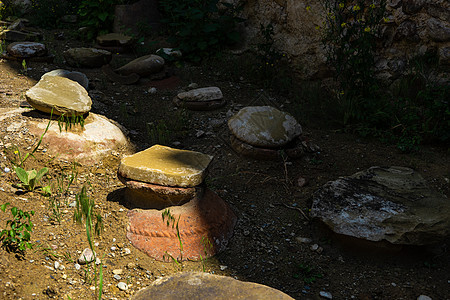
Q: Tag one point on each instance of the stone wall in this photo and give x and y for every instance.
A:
(412, 28)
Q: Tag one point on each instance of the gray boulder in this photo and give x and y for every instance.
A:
(143, 66)
(87, 57)
(393, 204)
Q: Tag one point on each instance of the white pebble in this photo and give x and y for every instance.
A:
(122, 286)
(77, 267)
(7, 170)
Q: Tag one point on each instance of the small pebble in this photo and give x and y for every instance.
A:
(131, 265)
(223, 268)
(126, 251)
(7, 170)
(326, 295)
(423, 297)
(314, 247)
(117, 271)
(77, 267)
(122, 286)
(117, 277)
(57, 264)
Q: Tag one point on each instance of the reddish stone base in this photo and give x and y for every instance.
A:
(205, 225)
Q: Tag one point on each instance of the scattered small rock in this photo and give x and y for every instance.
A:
(86, 256)
(326, 295)
(423, 297)
(122, 286)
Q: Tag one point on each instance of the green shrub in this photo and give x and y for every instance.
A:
(17, 235)
(198, 27)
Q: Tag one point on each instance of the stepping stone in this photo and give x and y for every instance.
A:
(26, 49)
(152, 196)
(384, 204)
(143, 66)
(264, 126)
(61, 94)
(72, 75)
(201, 285)
(115, 42)
(166, 166)
(205, 225)
(208, 98)
(87, 57)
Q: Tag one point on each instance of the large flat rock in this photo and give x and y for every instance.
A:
(197, 285)
(166, 166)
(264, 126)
(393, 204)
(61, 94)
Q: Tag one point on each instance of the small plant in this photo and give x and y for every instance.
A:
(84, 209)
(97, 16)
(166, 214)
(67, 122)
(24, 67)
(17, 235)
(207, 245)
(30, 179)
(307, 273)
(158, 133)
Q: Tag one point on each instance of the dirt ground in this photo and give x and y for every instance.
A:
(267, 246)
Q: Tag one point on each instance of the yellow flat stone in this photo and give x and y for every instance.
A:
(166, 166)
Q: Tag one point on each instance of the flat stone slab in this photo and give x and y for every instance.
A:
(72, 75)
(393, 204)
(205, 225)
(208, 98)
(152, 196)
(264, 126)
(166, 166)
(143, 66)
(61, 94)
(26, 49)
(87, 57)
(201, 285)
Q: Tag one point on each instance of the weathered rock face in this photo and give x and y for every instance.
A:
(143, 66)
(392, 204)
(61, 94)
(205, 224)
(196, 285)
(26, 49)
(166, 166)
(72, 75)
(264, 126)
(423, 25)
(87, 57)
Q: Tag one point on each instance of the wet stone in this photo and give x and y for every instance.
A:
(264, 126)
(166, 166)
(61, 94)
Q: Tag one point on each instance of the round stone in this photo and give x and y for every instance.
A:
(152, 196)
(264, 126)
(201, 285)
(205, 224)
(26, 49)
